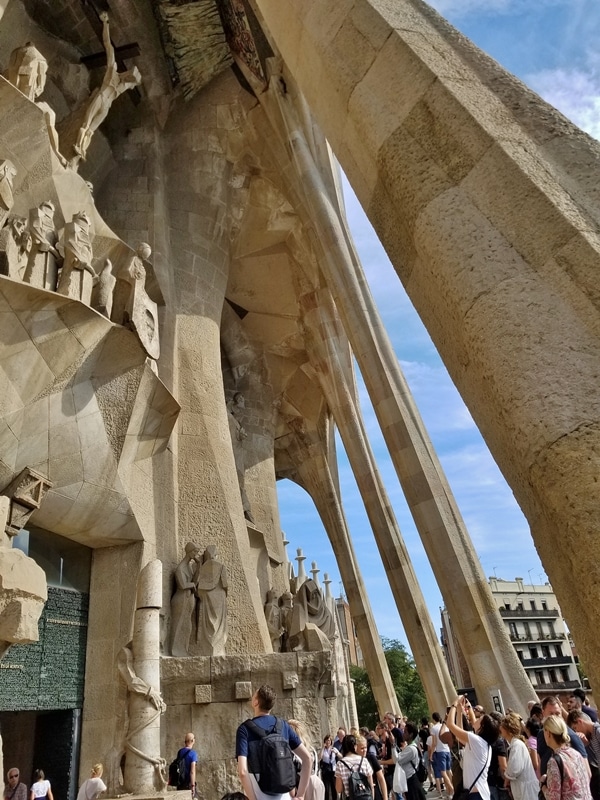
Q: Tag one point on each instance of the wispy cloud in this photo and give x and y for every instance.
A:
(575, 92)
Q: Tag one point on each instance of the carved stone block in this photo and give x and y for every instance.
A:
(243, 690)
(203, 693)
(290, 680)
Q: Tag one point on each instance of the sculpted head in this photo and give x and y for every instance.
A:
(144, 250)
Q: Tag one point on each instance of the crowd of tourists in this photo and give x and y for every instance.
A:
(469, 753)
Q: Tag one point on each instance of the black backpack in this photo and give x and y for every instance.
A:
(270, 758)
(358, 783)
(421, 769)
(178, 770)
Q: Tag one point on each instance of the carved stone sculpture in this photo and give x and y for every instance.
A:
(235, 406)
(183, 602)
(273, 618)
(133, 307)
(15, 245)
(286, 605)
(44, 258)
(309, 612)
(26, 493)
(102, 299)
(7, 176)
(27, 70)
(77, 276)
(139, 667)
(211, 590)
(113, 84)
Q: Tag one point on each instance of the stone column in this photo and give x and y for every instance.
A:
(314, 475)
(328, 349)
(484, 640)
(486, 200)
(143, 738)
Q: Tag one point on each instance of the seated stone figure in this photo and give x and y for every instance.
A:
(312, 626)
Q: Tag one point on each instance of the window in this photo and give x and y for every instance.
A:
(553, 678)
(512, 629)
(520, 605)
(520, 655)
(540, 629)
(527, 630)
(564, 673)
(66, 563)
(533, 652)
(539, 677)
(545, 651)
(532, 605)
(507, 605)
(558, 648)
(544, 605)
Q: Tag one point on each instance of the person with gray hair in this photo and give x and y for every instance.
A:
(14, 789)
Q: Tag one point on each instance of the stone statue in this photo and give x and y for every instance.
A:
(7, 176)
(133, 307)
(113, 84)
(286, 605)
(310, 612)
(183, 602)
(77, 276)
(151, 697)
(44, 258)
(238, 433)
(27, 70)
(211, 590)
(15, 245)
(273, 618)
(102, 298)
(134, 683)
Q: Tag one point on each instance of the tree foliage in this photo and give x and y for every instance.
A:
(406, 682)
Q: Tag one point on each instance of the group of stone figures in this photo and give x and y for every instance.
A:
(200, 602)
(300, 621)
(27, 70)
(32, 250)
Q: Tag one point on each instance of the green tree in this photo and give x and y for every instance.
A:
(406, 682)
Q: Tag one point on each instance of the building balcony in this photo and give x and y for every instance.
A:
(537, 637)
(549, 661)
(557, 686)
(524, 613)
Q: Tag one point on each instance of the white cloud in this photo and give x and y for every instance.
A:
(575, 92)
(464, 7)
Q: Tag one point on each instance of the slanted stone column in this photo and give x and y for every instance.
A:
(313, 473)
(485, 199)
(327, 345)
(484, 640)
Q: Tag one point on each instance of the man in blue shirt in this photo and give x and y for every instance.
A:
(191, 759)
(262, 703)
(552, 706)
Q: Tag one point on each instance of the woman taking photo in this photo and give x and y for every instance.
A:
(477, 753)
(327, 762)
(519, 773)
(567, 776)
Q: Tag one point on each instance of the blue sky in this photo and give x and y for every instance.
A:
(552, 45)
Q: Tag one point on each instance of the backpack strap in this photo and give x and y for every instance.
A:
(262, 732)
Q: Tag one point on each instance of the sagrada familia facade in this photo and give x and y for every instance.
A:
(181, 305)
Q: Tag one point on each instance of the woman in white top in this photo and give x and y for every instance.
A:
(524, 784)
(93, 786)
(316, 788)
(41, 787)
(477, 753)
